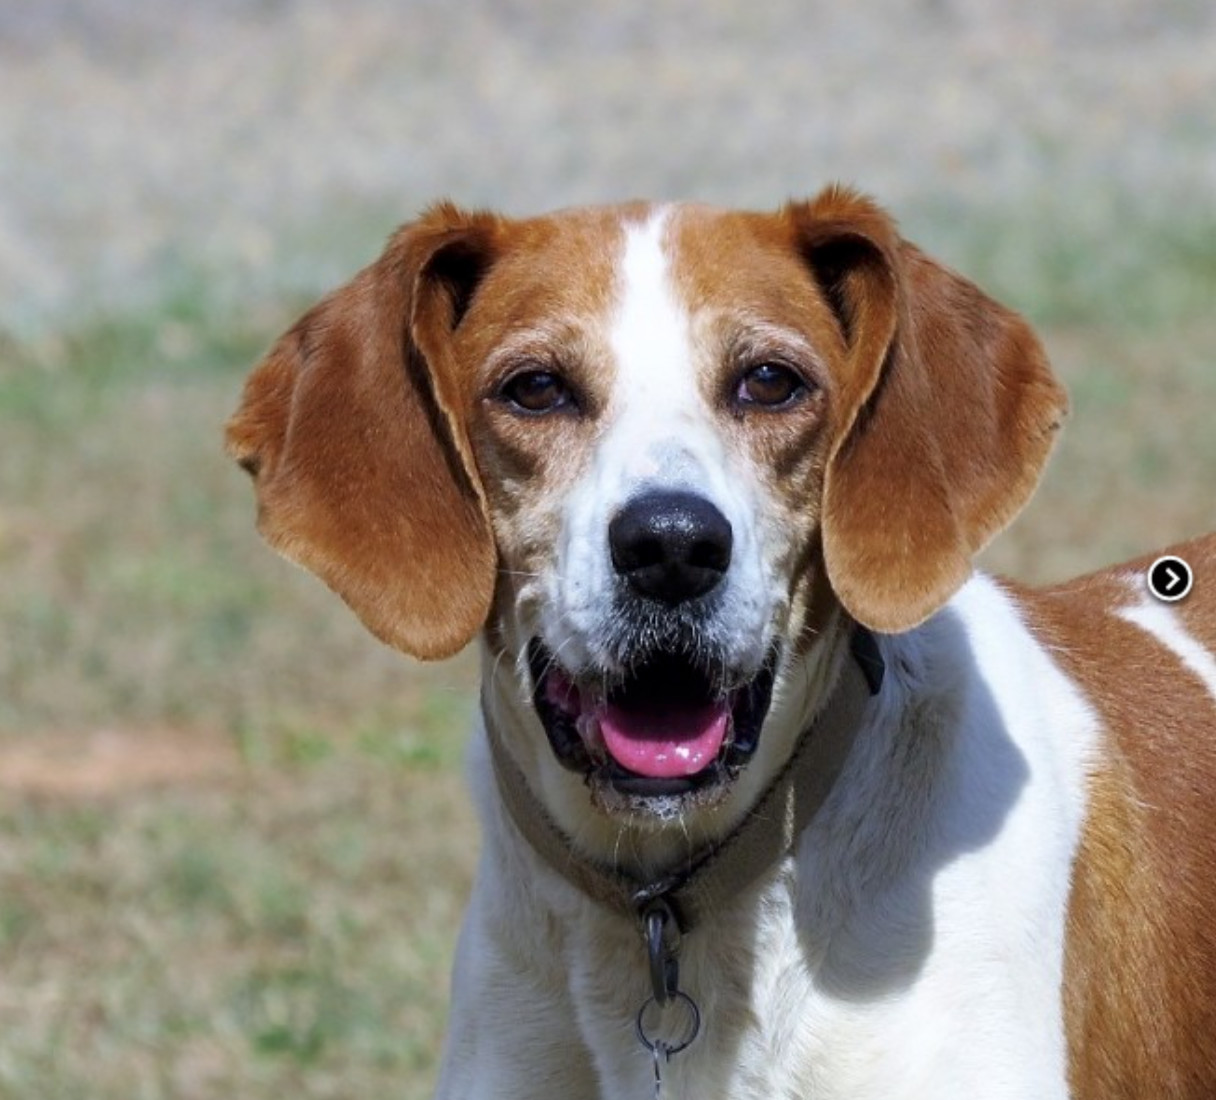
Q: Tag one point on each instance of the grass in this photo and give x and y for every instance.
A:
(278, 917)
(270, 922)
(282, 933)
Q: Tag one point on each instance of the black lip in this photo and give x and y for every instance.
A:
(657, 676)
(750, 712)
(563, 736)
(648, 786)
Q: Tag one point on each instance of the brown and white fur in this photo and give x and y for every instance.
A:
(1011, 888)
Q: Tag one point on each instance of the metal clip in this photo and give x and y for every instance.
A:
(662, 932)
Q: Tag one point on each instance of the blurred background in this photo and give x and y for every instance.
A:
(234, 843)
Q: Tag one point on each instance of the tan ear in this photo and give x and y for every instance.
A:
(353, 430)
(943, 419)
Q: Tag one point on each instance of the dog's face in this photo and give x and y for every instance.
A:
(654, 451)
(650, 440)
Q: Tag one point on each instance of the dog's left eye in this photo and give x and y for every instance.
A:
(770, 385)
(537, 391)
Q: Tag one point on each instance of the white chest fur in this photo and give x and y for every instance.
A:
(911, 947)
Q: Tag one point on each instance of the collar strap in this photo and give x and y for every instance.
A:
(711, 877)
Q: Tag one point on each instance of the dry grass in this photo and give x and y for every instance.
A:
(1137, 462)
(284, 933)
(233, 838)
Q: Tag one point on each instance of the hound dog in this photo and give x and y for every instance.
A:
(779, 798)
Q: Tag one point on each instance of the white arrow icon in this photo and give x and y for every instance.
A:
(1169, 578)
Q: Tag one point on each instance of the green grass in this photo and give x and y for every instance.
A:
(283, 924)
(281, 934)
(1097, 260)
(136, 587)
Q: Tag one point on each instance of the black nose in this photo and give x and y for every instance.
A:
(670, 546)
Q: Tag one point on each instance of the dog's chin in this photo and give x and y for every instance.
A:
(670, 735)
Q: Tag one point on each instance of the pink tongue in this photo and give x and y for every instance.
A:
(665, 744)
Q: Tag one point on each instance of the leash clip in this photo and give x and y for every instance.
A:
(662, 932)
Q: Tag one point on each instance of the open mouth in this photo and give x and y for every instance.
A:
(670, 726)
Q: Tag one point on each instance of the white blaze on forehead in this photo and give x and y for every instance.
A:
(656, 395)
(657, 432)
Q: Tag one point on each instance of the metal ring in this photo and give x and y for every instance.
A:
(661, 1045)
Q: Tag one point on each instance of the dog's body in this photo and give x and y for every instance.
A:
(674, 463)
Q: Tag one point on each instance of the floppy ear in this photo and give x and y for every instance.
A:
(943, 418)
(353, 430)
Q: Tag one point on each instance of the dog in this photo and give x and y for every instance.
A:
(780, 798)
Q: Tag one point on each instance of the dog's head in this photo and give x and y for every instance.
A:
(654, 451)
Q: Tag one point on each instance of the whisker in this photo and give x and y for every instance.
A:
(552, 663)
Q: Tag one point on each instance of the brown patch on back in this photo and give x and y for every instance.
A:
(1140, 967)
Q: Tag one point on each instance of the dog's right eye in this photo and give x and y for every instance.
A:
(537, 391)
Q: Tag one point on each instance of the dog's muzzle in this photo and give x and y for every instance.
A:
(679, 718)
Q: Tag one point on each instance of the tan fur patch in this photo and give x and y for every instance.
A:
(1140, 983)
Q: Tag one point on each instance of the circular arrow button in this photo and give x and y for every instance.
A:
(1170, 578)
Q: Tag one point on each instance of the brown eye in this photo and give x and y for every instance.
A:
(770, 385)
(537, 391)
